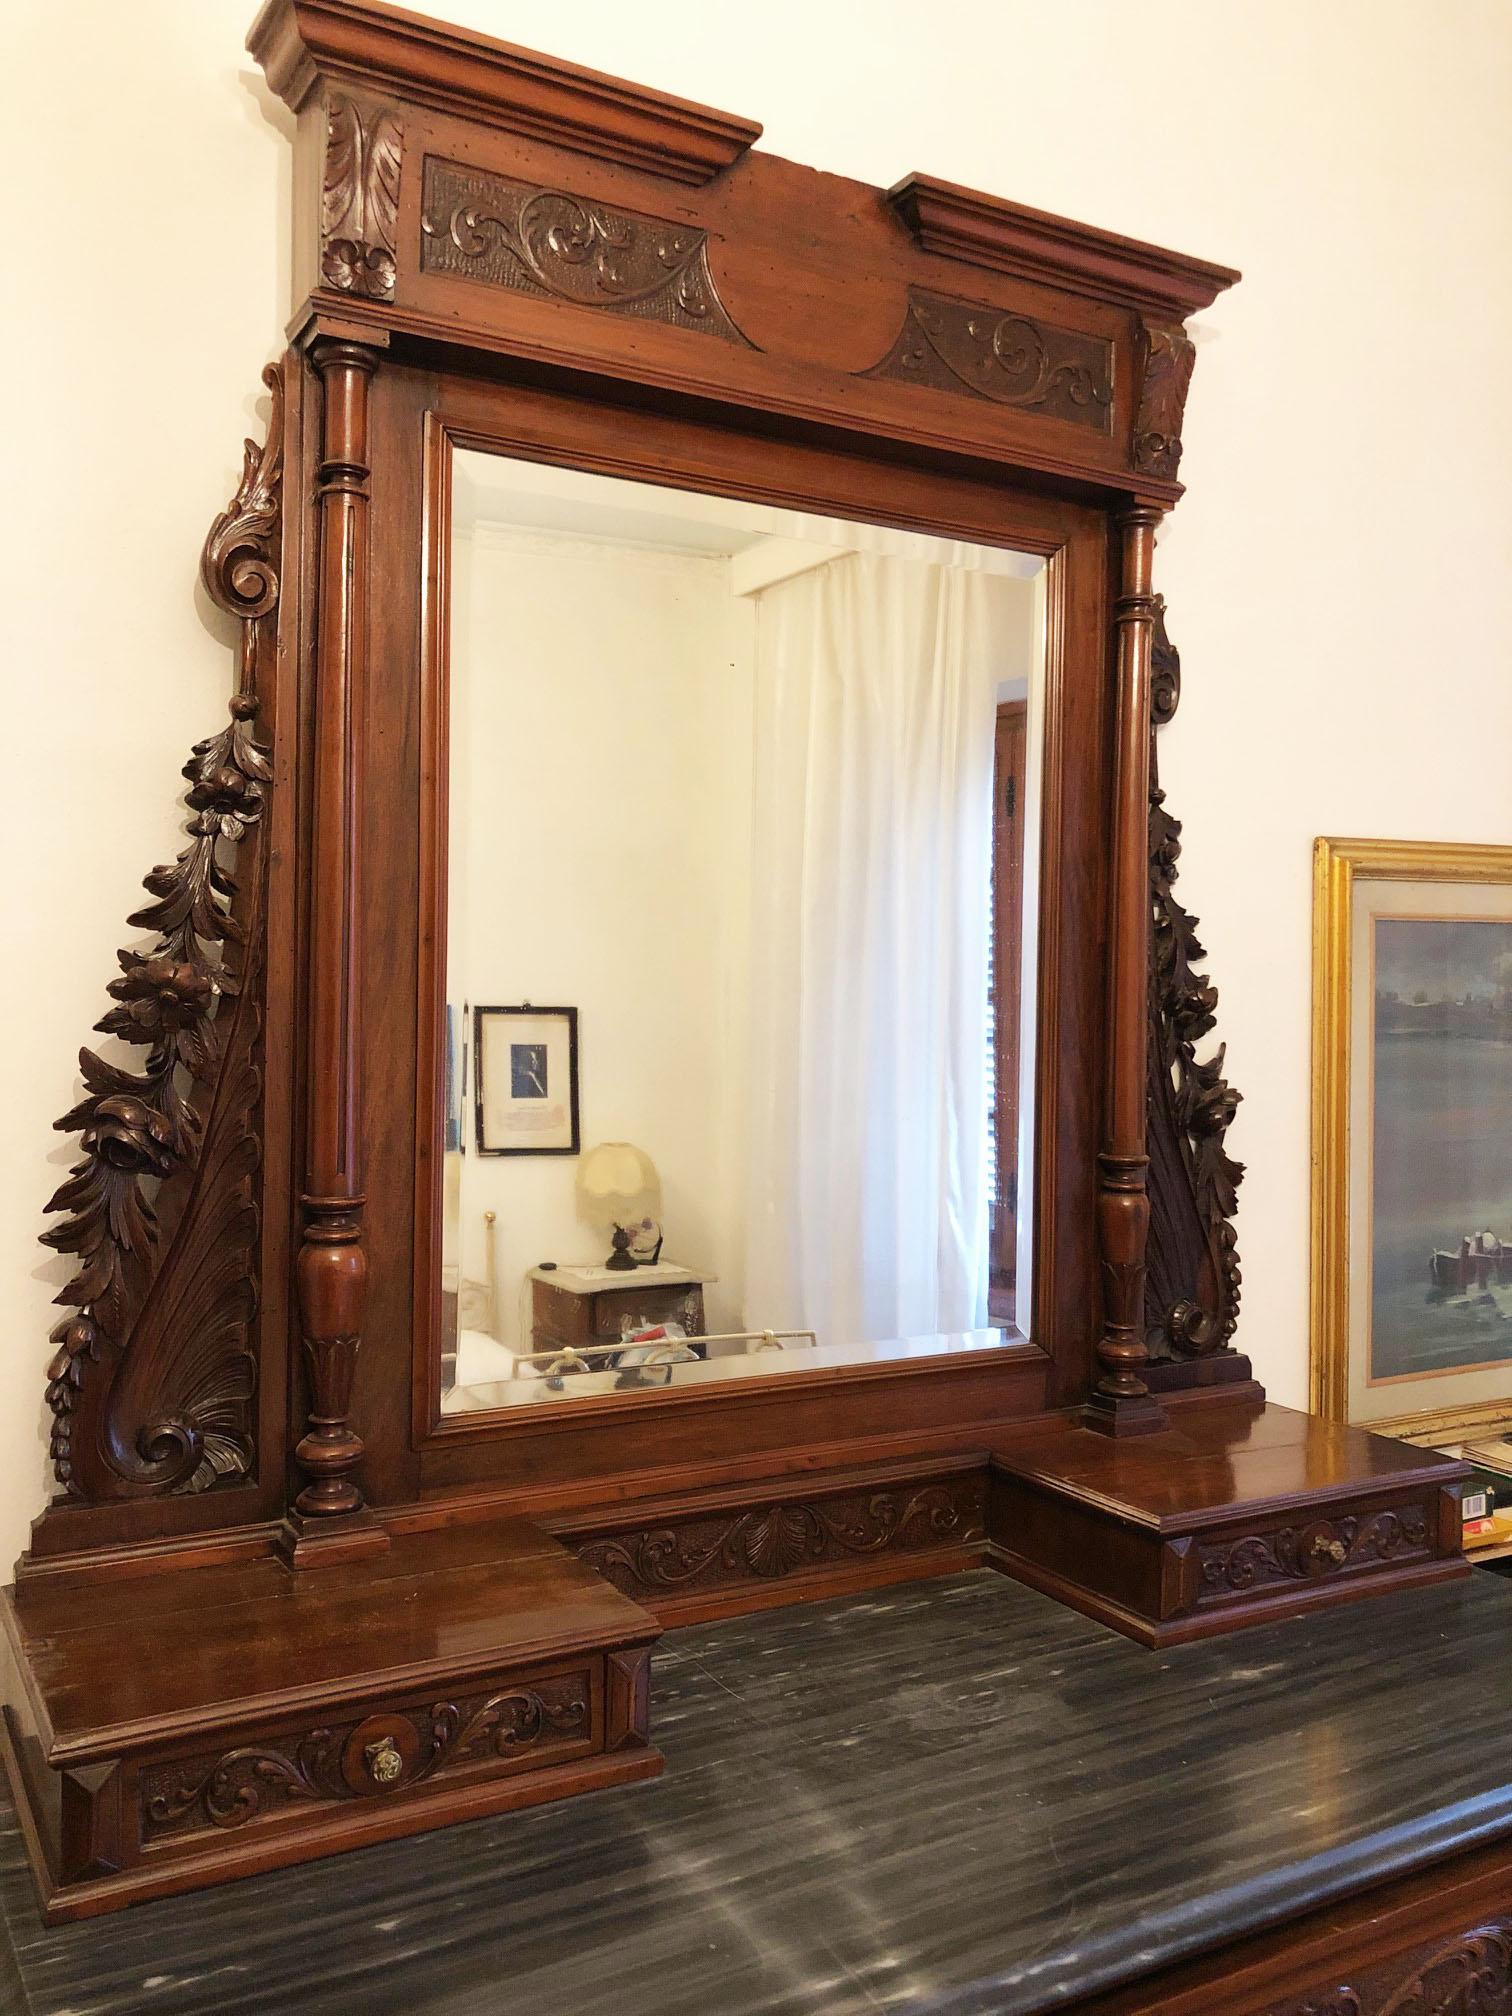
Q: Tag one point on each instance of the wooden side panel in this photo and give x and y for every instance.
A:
(1437, 1943)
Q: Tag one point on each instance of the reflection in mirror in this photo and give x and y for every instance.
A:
(742, 857)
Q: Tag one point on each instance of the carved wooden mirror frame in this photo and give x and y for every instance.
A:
(496, 249)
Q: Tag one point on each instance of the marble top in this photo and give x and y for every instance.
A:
(950, 1797)
(593, 1280)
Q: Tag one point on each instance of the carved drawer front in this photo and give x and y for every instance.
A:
(1466, 1973)
(1298, 1552)
(480, 1731)
(773, 1539)
(647, 1305)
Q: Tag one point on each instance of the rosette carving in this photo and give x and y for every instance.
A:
(359, 199)
(1166, 358)
(1192, 1276)
(152, 1379)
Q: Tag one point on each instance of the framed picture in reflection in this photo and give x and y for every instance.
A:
(1412, 1136)
(525, 1080)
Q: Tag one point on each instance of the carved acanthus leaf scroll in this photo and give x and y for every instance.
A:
(965, 347)
(1467, 1974)
(359, 198)
(544, 242)
(1166, 359)
(1308, 1552)
(769, 1542)
(256, 1780)
(1192, 1263)
(152, 1382)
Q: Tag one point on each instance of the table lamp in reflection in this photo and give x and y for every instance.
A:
(617, 1185)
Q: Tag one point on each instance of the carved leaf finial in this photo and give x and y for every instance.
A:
(1193, 1277)
(151, 1382)
(237, 565)
(1167, 355)
(359, 199)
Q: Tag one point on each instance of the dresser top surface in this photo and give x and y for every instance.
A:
(950, 1796)
(602, 1280)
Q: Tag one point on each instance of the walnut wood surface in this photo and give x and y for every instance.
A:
(1121, 1401)
(1192, 1275)
(488, 1666)
(499, 251)
(1235, 1510)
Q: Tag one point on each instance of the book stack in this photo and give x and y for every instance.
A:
(1487, 1498)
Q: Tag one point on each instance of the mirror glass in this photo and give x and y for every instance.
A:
(742, 852)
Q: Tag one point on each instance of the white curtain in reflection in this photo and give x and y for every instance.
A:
(876, 683)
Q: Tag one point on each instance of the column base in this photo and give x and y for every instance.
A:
(1124, 1414)
(330, 1541)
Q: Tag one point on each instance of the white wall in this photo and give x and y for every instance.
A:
(601, 728)
(1339, 579)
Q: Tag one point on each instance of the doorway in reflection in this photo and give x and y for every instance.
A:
(742, 856)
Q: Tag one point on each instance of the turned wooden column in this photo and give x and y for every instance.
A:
(329, 1520)
(1121, 1403)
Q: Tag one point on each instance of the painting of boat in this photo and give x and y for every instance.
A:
(1481, 1261)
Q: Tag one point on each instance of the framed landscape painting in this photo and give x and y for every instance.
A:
(1412, 1136)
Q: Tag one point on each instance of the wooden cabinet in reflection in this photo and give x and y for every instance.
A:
(571, 1307)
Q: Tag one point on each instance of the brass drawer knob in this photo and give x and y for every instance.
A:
(383, 1761)
(1325, 1549)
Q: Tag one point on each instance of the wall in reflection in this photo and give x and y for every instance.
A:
(721, 782)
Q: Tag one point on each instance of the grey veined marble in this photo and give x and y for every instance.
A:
(954, 1797)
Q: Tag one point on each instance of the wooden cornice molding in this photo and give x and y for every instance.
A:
(390, 50)
(1053, 251)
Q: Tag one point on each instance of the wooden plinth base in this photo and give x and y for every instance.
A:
(1123, 1415)
(328, 1543)
(1237, 1511)
(175, 1730)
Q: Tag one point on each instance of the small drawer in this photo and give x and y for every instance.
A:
(647, 1305)
(1296, 1553)
(377, 1752)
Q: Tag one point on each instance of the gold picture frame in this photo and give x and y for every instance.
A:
(1340, 1204)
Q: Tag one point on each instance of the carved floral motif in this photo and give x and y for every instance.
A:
(1469, 1974)
(1192, 1279)
(964, 347)
(1167, 357)
(152, 1379)
(769, 1542)
(359, 198)
(544, 242)
(254, 1780)
(1318, 1548)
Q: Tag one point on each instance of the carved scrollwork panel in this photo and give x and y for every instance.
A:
(768, 1542)
(565, 248)
(967, 348)
(1192, 1278)
(153, 1377)
(359, 198)
(386, 1752)
(1313, 1550)
(1467, 1974)
(1166, 359)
